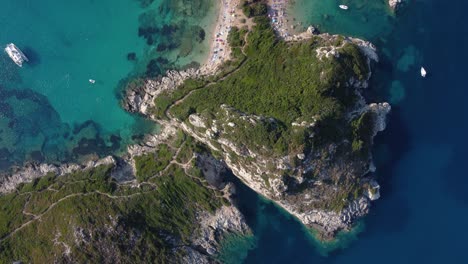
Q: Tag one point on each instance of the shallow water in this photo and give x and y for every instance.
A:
(420, 158)
(367, 19)
(49, 111)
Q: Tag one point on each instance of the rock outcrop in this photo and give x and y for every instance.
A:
(28, 173)
(226, 220)
(395, 4)
(380, 111)
(321, 201)
(140, 94)
(328, 222)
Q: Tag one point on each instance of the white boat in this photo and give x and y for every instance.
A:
(423, 72)
(344, 7)
(16, 54)
(92, 81)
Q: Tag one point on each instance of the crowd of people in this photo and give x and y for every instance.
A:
(279, 18)
(226, 19)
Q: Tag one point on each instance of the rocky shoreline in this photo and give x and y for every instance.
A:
(10, 181)
(213, 227)
(140, 98)
(395, 4)
(328, 222)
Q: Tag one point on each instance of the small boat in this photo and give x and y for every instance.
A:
(344, 7)
(423, 72)
(92, 81)
(16, 54)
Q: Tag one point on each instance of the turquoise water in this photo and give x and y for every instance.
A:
(368, 19)
(420, 158)
(49, 111)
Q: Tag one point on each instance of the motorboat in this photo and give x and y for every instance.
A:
(423, 72)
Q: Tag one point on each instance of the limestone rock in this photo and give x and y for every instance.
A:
(226, 220)
(197, 121)
(33, 171)
(282, 179)
(380, 110)
(373, 191)
(395, 4)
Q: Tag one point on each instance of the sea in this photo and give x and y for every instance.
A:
(50, 112)
(421, 158)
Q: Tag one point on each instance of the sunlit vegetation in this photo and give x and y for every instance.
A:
(285, 82)
(87, 215)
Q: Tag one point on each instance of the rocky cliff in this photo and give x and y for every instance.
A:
(326, 185)
(395, 4)
(181, 212)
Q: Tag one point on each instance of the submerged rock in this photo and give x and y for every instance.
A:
(131, 56)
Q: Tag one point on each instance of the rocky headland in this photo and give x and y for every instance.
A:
(286, 116)
(327, 187)
(123, 179)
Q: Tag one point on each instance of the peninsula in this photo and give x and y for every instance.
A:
(287, 116)
(284, 113)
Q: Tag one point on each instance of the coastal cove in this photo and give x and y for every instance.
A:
(219, 159)
(419, 157)
(49, 111)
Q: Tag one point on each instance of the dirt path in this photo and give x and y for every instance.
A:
(53, 205)
(167, 112)
(173, 161)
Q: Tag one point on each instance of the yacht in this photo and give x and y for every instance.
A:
(423, 72)
(16, 54)
(92, 81)
(344, 7)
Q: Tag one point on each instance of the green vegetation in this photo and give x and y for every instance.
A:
(149, 165)
(95, 218)
(236, 37)
(188, 149)
(362, 129)
(87, 215)
(252, 8)
(166, 99)
(286, 82)
(11, 216)
(341, 199)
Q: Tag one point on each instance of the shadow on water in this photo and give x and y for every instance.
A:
(32, 55)
(280, 236)
(277, 235)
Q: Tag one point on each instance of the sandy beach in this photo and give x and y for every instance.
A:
(277, 12)
(230, 15)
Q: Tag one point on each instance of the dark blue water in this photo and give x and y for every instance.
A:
(422, 157)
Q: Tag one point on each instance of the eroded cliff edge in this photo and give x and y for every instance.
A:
(287, 117)
(166, 200)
